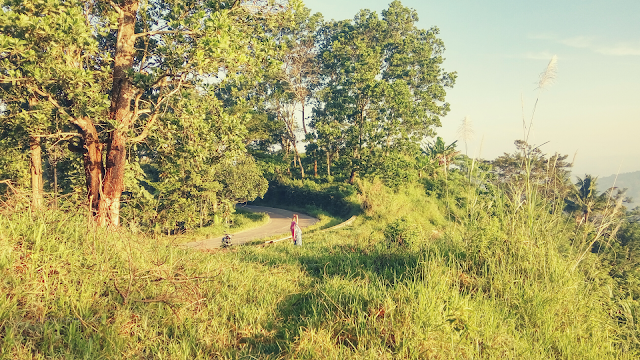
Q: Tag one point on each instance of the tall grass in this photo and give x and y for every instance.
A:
(486, 288)
(483, 286)
(72, 291)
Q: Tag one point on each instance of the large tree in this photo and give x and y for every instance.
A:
(383, 82)
(196, 163)
(549, 174)
(298, 74)
(43, 49)
(110, 68)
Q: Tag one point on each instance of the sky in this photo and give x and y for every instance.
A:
(499, 48)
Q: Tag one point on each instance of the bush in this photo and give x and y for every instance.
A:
(402, 232)
(330, 197)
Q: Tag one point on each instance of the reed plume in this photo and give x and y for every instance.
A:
(465, 131)
(548, 76)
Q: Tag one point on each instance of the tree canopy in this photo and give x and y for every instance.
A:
(382, 85)
(161, 103)
(110, 69)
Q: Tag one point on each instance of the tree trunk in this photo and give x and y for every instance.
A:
(352, 178)
(289, 121)
(92, 159)
(113, 183)
(298, 159)
(37, 184)
(285, 145)
(304, 126)
(122, 92)
(55, 185)
(386, 152)
(328, 164)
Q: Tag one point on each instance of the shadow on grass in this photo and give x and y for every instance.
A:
(374, 262)
(334, 298)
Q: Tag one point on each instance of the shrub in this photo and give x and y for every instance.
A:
(402, 232)
(331, 197)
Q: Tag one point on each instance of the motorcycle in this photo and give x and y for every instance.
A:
(226, 241)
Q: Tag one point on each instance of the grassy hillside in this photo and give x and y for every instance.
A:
(408, 280)
(631, 181)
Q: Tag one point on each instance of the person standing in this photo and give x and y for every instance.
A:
(296, 232)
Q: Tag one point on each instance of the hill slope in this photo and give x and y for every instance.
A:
(630, 180)
(406, 282)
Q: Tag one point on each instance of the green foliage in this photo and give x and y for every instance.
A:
(622, 255)
(397, 170)
(334, 198)
(44, 45)
(14, 162)
(58, 74)
(436, 159)
(482, 288)
(585, 200)
(402, 233)
(193, 169)
(439, 152)
(529, 164)
(382, 90)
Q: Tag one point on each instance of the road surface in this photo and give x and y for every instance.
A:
(279, 222)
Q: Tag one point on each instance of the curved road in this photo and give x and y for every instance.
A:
(279, 222)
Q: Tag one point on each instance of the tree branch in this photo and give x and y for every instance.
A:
(6, 80)
(52, 101)
(160, 32)
(117, 8)
(155, 113)
(58, 134)
(83, 123)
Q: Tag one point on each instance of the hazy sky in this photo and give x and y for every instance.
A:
(499, 48)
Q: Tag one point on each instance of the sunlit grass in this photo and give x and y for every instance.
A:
(480, 288)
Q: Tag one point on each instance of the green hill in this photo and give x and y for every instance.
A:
(630, 180)
(418, 276)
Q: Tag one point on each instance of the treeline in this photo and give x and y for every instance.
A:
(154, 112)
(166, 114)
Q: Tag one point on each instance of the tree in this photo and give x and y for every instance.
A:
(110, 68)
(38, 39)
(288, 88)
(300, 70)
(623, 255)
(275, 100)
(382, 81)
(196, 163)
(585, 200)
(549, 174)
(440, 153)
(329, 138)
(14, 156)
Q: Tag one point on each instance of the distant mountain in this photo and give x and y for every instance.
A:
(631, 181)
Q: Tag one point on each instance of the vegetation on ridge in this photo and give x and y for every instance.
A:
(485, 286)
(127, 122)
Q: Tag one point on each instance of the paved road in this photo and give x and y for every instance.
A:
(279, 222)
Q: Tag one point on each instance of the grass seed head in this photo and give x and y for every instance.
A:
(465, 131)
(548, 76)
